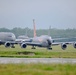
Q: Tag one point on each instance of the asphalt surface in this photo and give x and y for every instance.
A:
(37, 60)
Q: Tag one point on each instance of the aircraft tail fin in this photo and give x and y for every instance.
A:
(34, 28)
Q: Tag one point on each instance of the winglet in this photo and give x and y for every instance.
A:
(34, 28)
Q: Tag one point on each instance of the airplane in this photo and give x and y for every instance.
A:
(45, 41)
(23, 38)
(7, 39)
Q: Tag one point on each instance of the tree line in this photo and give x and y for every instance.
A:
(55, 33)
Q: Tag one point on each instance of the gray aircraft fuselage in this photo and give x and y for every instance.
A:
(43, 39)
(6, 36)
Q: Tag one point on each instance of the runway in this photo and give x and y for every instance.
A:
(37, 60)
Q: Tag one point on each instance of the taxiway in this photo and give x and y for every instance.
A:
(37, 60)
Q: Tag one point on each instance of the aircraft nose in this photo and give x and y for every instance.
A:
(49, 41)
(13, 38)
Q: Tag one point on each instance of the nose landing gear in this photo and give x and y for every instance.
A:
(49, 48)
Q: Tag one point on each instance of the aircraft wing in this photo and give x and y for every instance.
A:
(64, 44)
(72, 39)
(8, 43)
(11, 42)
(18, 41)
(33, 43)
(59, 43)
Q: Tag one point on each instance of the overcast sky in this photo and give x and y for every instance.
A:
(20, 13)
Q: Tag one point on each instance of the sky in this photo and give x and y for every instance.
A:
(60, 14)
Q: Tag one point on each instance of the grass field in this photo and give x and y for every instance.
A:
(37, 69)
(57, 52)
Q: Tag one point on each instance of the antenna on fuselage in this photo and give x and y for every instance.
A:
(34, 28)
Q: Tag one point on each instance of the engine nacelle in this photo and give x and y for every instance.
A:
(7, 44)
(74, 45)
(23, 45)
(63, 46)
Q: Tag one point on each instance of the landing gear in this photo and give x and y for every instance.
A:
(33, 47)
(12, 46)
(49, 48)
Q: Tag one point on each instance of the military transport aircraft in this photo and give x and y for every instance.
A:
(7, 39)
(44, 41)
(22, 38)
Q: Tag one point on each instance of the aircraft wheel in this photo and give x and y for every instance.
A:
(33, 47)
(49, 48)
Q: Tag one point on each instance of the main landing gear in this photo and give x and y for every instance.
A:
(33, 47)
(12, 46)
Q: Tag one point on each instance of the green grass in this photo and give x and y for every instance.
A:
(37, 69)
(57, 52)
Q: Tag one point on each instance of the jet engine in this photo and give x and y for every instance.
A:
(63, 46)
(7, 44)
(23, 45)
(74, 45)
